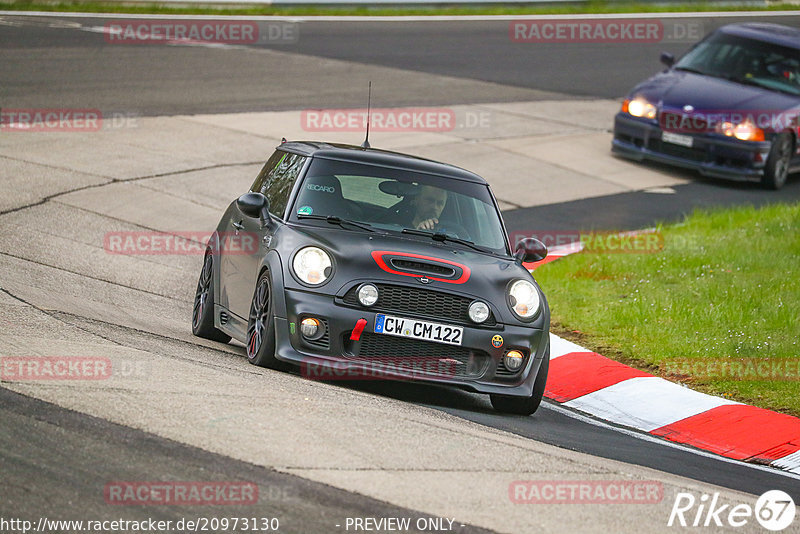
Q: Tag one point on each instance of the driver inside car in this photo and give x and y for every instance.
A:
(427, 207)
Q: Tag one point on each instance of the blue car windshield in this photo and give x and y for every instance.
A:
(391, 199)
(746, 61)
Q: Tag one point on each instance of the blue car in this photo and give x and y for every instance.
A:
(728, 108)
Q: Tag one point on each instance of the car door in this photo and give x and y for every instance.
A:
(239, 262)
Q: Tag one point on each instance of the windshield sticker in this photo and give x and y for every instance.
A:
(323, 188)
(305, 210)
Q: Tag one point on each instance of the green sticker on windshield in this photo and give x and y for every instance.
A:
(305, 210)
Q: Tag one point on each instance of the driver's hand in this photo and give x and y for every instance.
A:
(428, 224)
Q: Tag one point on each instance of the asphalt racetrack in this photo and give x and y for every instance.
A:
(203, 120)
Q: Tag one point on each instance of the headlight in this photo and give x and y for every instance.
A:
(639, 107)
(513, 360)
(524, 299)
(745, 131)
(312, 265)
(311, 328)
(367, 294)
(478, 311)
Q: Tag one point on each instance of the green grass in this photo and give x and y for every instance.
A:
(592, 6)
(724, 290)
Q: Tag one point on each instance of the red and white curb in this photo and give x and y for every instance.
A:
(606, 389)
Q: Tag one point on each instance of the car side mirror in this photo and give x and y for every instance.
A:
(530, 249)
(667, 59)
(254, 205)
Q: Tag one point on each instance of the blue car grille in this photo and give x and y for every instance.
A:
(675, 121)
(693, 154)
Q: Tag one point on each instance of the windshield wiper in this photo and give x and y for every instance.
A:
(696, 71)
(441, 237)
(333, 219)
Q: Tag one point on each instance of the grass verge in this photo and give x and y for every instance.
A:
(590, 7)
(717, 308)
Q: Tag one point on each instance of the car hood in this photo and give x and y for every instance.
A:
(674, 89)
(363, 256)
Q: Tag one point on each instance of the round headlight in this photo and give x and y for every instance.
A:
(312, 265)
(478, 311)
(524, 299)
(367, 294)
(513, 360)
(311, 328)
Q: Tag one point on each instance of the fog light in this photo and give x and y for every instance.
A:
(367, 294)
(478, 311)
(310, 328)
(513, 360)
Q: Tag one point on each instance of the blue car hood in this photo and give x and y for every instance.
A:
(674, 89)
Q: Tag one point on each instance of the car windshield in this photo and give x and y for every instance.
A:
(393, 200)
(745, 61)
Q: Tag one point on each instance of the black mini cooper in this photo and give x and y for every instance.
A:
(363, 263)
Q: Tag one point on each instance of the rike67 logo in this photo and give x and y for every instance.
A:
(774, 510)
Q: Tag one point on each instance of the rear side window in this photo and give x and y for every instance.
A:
(276, 179)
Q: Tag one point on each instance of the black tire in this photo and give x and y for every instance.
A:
(261, 326)
(776, 169)
(524, 405)
(203, 310)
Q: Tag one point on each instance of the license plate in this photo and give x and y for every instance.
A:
(399, 326)
(676, 139)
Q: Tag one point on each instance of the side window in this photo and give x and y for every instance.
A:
(276, 179)
(263, 176)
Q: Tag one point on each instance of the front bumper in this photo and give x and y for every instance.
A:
(476, 365)
(709, 154)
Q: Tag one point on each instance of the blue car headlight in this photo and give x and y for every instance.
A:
(639, 107)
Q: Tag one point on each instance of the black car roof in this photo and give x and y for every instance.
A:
(763, 31)
(378, 157)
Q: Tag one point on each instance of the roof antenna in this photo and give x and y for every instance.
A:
(365, 144)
